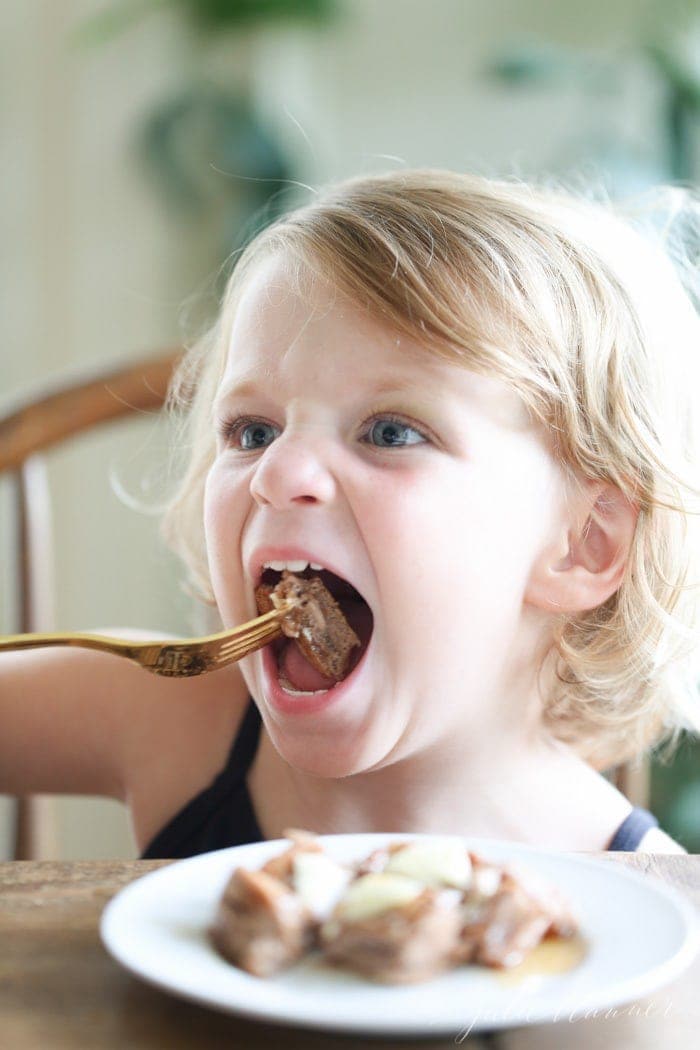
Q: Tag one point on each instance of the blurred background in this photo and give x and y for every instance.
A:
(146, 140)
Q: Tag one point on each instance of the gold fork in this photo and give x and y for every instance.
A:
(176, 658)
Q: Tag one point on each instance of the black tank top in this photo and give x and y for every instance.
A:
(222, 815)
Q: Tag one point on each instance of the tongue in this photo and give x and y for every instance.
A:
(299, 672)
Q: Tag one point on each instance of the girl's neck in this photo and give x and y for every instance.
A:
(539, 792)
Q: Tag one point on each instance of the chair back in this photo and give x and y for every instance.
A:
(49, 417)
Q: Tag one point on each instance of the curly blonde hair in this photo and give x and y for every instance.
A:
(591, 317)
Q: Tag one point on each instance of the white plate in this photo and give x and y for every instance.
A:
(641, 935)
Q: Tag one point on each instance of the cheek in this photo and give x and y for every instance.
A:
(452, 544)
(224, 510)
(215, 500)
(417, 530)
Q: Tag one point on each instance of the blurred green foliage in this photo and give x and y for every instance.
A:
(675, 793)
(674, 60)
(221, 14)
(208, 151)
(206, 16)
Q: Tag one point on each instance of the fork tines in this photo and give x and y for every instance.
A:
(249, 640)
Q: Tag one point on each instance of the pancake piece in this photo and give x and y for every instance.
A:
(269, 919)
(261, 925)
(315, 622)
(403, 914)
(393, 929)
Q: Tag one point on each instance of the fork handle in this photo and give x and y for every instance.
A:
(79, 640)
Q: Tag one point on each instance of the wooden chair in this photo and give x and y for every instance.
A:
(56, 415)
(50, 417)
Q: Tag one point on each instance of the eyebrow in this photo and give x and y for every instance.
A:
(236, 390)
(249, 388)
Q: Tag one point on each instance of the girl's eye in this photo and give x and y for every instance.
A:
(249, 434)
(388, 432)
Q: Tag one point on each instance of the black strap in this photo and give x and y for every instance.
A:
(632, 830)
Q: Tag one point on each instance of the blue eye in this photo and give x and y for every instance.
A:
(393, 433)
(257, 435)
(249, 434)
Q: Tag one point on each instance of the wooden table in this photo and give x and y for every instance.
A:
(60, 989)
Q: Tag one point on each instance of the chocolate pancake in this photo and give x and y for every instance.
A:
(315, 622)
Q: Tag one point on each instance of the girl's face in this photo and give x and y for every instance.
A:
(423, 484)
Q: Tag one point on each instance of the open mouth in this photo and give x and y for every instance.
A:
(297, 671)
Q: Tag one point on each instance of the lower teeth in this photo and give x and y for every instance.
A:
(289, 688)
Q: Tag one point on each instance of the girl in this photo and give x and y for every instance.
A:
(470, 400)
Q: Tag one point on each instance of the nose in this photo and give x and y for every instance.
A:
(292, 471)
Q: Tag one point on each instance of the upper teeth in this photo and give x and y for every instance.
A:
(292, 566)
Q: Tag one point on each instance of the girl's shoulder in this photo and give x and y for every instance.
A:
(657, 841)
(179, 741)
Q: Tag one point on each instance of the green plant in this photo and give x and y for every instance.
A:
(539, 63)
(206, 16)
(205, 146)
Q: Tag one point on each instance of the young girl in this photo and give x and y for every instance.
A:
(472, 401)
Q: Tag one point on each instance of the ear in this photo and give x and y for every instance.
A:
(586, 563)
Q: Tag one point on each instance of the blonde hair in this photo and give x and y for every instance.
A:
(590, 320)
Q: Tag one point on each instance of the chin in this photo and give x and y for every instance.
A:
(318, 761)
